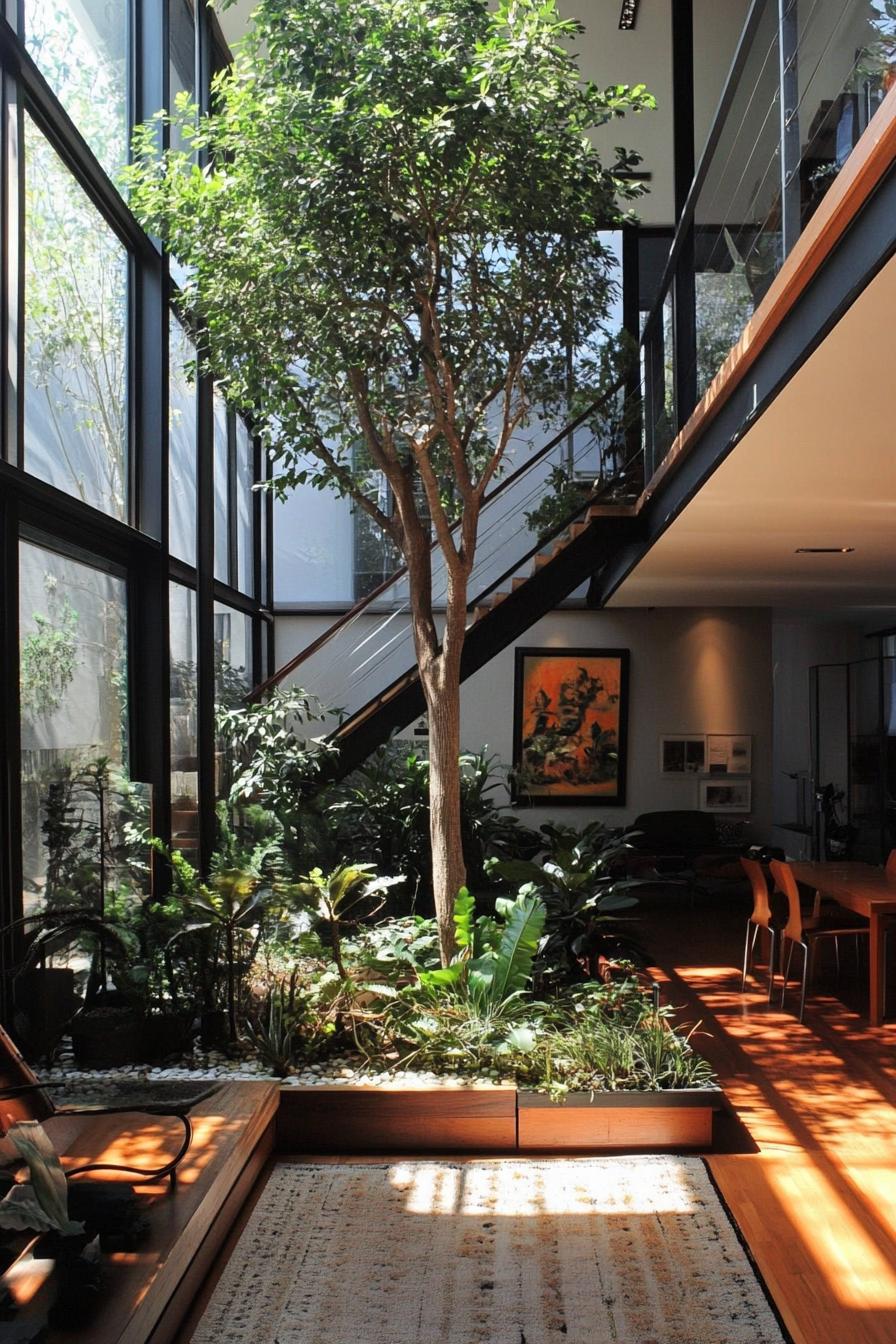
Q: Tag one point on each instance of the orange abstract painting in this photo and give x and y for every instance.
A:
(570, 709)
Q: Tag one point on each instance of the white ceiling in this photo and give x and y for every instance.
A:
(817, 469)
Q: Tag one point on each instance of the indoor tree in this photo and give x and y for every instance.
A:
(392, 241)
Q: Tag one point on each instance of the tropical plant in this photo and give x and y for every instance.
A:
(340, 899)
(382, 810)
(397, 240)
(276, 764)
(41, 1203)
(582, 905)
(272, 1033)
(473, 1012)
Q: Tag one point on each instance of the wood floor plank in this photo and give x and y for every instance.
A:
(816, 1201)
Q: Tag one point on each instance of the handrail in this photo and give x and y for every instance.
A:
(296, 661)
(406, 678)
(557, 530)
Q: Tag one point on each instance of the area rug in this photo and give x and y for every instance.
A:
(633, 1250)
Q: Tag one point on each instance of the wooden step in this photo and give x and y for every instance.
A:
(518, 582)
(612, 511)
(541, 559)
(498, 597)
(576, 530)
(479, 613)
(147, 1293)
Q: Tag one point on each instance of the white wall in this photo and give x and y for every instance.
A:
(692, 671)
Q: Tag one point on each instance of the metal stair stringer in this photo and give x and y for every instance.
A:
(501, 618)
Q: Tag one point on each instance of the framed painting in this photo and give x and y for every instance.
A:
(569, 726)
(729, 753)
(726, 795)
(682, 754)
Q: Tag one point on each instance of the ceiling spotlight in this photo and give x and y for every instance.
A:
(629, 13)
(824, 550)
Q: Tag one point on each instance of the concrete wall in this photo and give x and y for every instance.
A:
(692, 671)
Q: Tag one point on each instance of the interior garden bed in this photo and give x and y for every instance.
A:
(491, 1118)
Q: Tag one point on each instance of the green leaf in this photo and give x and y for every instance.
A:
(48, 1183)
(464, 911)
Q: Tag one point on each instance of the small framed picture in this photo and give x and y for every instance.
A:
(726, 795)
(682, 754)
(729, 754)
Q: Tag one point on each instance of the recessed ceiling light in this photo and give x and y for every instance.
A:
(824, 550)
(628, 14)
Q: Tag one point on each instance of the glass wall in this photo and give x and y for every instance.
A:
(233, 680)
(806, 82)
(182, 431)
(96, 479)
(73, 690)
(76, 337)
(81, 49)
(184, 720)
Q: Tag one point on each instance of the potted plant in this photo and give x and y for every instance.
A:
(39, 1207)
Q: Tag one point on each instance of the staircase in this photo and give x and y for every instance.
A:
(498, 619)
(365, 663)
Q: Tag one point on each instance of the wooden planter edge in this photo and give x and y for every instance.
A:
(345, 1118)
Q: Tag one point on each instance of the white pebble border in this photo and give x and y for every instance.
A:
(341, 1070)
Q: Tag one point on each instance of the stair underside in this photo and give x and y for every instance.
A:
(496, 622)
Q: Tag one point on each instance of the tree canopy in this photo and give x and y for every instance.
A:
(397, 232)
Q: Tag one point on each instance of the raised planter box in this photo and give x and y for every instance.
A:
(490, 1119)
(634, 1121)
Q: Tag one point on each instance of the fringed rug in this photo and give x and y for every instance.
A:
(634, 1250)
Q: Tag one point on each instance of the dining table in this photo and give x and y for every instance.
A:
(867, 891)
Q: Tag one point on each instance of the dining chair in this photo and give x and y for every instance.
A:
(806, 933)
(761, 918)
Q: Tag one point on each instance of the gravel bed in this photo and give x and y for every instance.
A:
(73, 1084)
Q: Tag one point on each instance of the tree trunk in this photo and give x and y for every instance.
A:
(441, 686)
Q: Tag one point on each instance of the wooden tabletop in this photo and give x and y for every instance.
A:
(867, 891)
(859, 886)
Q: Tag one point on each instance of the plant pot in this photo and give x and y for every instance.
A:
(78, 1278)
(214, 1029)
(44, 1002)
(104, 1038)
(164, 1034)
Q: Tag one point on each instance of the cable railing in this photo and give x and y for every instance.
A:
(370, 648)
(805, 82)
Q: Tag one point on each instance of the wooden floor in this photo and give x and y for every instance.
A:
(816, 1200)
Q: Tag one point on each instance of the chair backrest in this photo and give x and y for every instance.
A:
(15, 1074)
(761, 909)
(890, 865)
(784, 880)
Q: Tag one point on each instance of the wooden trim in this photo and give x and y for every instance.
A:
(863, 171)
(632, 1129)
(364, 1119)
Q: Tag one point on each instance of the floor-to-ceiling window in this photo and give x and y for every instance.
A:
(135, 577)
